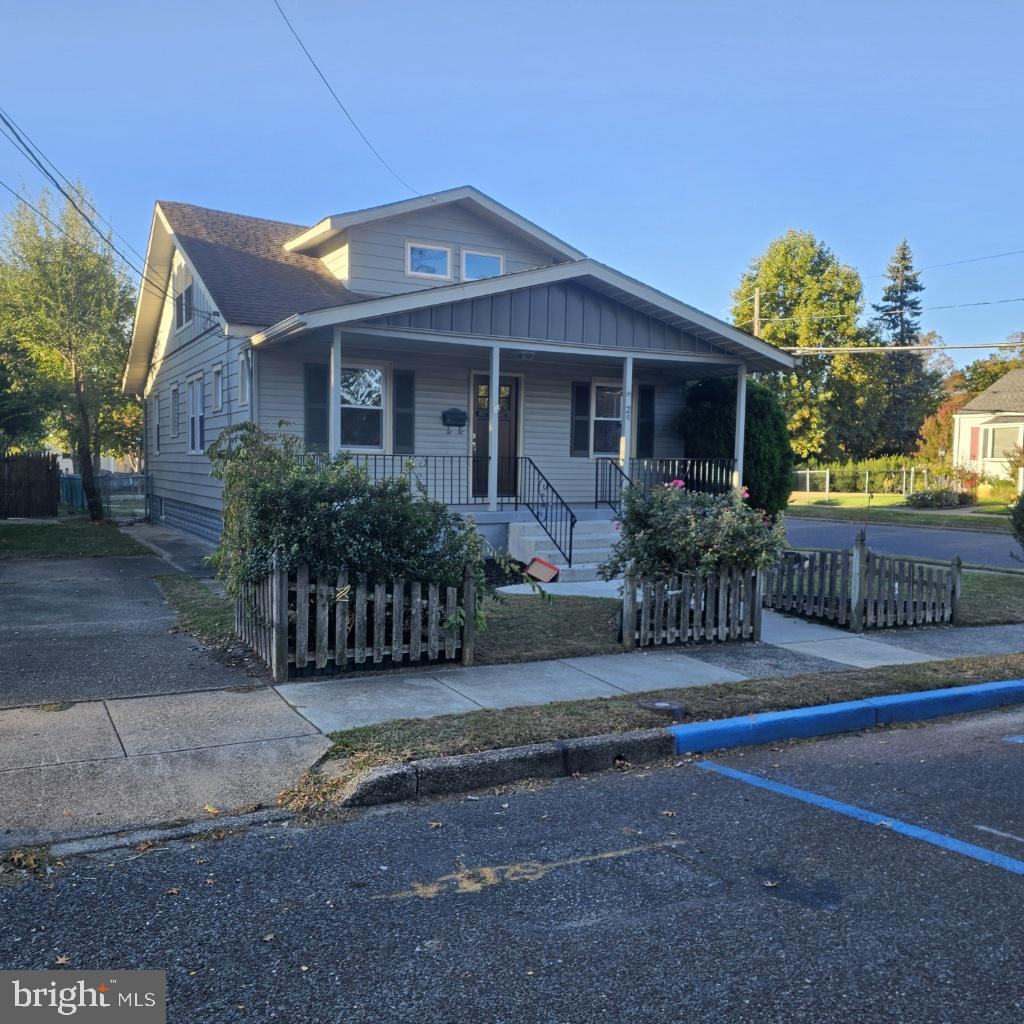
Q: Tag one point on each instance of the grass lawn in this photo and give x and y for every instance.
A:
(486, 730)
(74, 537)
(200, 611)
(894, 517)
(525, 627)
(990, 598)
(843, 499)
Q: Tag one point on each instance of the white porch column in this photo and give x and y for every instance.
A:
(627, 413)
(493, 405)
(334, 396)
(741, 425)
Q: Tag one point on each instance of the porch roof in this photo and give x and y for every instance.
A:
(726, 338)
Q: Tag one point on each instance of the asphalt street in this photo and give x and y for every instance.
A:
(974, 547)
(670, 894)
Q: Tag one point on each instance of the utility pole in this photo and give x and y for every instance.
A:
(757, 312)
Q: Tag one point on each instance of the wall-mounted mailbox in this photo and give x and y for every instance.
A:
(454, 419)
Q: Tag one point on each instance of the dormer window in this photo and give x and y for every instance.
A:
(476, 265)
(183, 308)
(422, 260)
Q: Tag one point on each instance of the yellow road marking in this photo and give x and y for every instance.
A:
(479, 878)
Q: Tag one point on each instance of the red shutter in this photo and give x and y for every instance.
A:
(975, 435)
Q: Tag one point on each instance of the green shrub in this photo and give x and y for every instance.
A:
(678, 531)
(330, 515)
(940, 499)
(707, 424)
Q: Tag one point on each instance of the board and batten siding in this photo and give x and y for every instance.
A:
(565, 312)
(443, 382)
(371, 259)
(181, 481)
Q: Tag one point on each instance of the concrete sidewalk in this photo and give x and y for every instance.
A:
(84, 768)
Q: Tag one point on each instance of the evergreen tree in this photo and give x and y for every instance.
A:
(912, 389)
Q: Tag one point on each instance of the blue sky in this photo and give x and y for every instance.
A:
(672, 140)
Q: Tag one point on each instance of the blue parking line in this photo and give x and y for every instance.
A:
(913, 831)
(1013, 739)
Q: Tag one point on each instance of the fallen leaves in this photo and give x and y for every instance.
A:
(173, 891)
(667, 814)
(62, 959)
(212, 811)
(435, 824)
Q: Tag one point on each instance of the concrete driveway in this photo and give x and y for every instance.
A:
(974, 547)
(109, 717)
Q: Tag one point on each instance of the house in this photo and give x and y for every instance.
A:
(379, 332)
(990, 426)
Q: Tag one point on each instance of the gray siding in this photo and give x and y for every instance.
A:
(443, 381)
(183, 479)
(375, 262)
(566, 312)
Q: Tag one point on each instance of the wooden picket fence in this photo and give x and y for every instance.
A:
(691, 608)
(863, 590)
(301, 625)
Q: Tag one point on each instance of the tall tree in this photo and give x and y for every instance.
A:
(913, 389)
(810, 300)
(68, 304)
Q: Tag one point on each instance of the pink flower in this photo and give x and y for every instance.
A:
(677, 483)
(745, 493)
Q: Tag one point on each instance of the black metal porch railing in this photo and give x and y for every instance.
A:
(462, 480)
(609, 482)
(709, 476)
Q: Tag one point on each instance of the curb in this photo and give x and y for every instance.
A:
(828, 719)
(441, 776)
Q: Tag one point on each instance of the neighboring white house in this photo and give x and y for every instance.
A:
(378, 332)
(990, 426)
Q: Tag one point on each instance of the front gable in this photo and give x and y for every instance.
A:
(564, 311)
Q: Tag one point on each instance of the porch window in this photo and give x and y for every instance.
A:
(428, 260)
(183, 297)
(477, 265)
(606, 425)
(218, 388)
(174, 411)
(362, 407)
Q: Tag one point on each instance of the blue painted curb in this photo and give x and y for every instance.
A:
(848, 716)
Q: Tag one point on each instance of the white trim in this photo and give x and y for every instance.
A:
(595, 383)
(447, 249)
(385, 406)
(480, 252)
(156, 418)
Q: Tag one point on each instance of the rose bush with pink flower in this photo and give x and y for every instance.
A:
(677, 531)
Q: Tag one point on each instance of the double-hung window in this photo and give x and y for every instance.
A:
(363, 390)
(196, 417)
(1001, 442)
(218, 388)
(174, 411)
(606, 419)
(243, 379)
(183, 297)
(425, 260)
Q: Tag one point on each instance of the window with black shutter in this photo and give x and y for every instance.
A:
(403, 441)
(317, 387)
(579, 436)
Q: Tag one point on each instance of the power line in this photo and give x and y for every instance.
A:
(888, 350)
(842, 316)
(28, 149)
(344, 109)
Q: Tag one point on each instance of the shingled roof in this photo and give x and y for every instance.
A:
(245, 268)
(1006, 395)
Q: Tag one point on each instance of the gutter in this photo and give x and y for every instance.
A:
(290, 325)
